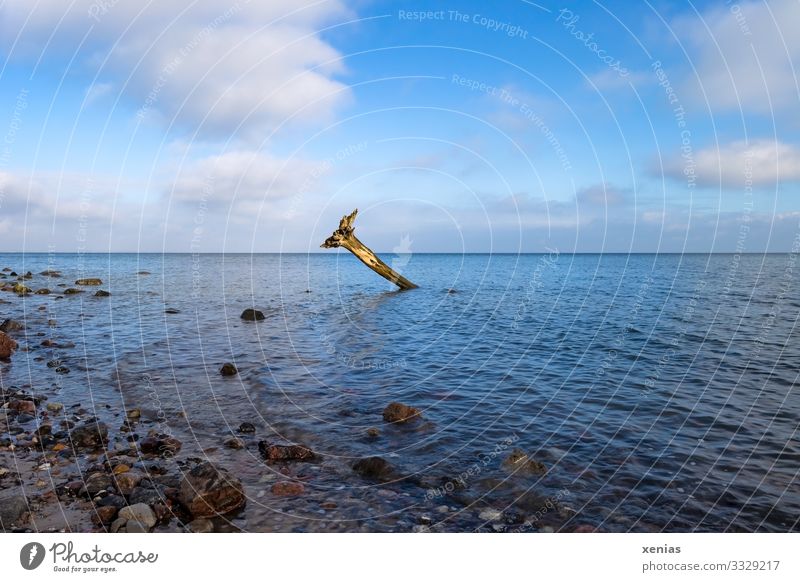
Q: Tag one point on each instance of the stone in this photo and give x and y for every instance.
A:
(50, 273)
(22, 406)
(520, 463)
(139, 513)
(235, 443)
(273, 452)
(373, 432)
(398, 413)
(252, 315)
(490, 515)
(148, 496)
(121, 468)
(127, 481)
(102, 293)
(201, 525)
(7, 346)
(247, 428)
(89, 282)
(43, 291)
(13, 509)
(97, 482)
(228, 369)
(104, 515)
(135, 527)
(55, 406)
(287, 488)
(11, 325)
(89, 435)
(118, 524)
(207, 491)
(163, 445)
(115, 501)
(374, 468)
(134, 414)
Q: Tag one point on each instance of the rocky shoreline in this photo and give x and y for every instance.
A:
(65, 466)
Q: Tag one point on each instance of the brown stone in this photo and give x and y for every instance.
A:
(127, 482)
(22, 406)
(397, 412)
(287, 488)
(7, 346)
(104, 515)
(207, 491)
(272, 452)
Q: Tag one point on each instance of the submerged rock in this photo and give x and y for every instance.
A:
(102, 293)
(90, 435)
(247, 428)
(287, 488)
(50, 273)
(201, 525)
(162, 444)
(89, 282)
(228, 369)
(72, 291)
(273, 452)
(10, 325)
(519, 462)
(234, 443)
(252, 315)
(399, 413)
(207, 491)
(7, 346)
(375, 468)
(21, 289)
(22, 406)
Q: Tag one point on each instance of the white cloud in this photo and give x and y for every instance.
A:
(96, 91)
(741, 164)
(747, 57)
(220, 69)
(241, 176)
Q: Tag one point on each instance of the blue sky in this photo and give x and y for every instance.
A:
(464, 126)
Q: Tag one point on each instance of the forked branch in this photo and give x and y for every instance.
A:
(345, 238)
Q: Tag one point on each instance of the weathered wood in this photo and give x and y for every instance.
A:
(344, 237)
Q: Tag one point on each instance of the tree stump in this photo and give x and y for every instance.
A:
(344, 237)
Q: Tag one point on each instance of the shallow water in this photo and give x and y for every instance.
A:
(659, 390)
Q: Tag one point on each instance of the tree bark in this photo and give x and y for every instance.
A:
(344, 237)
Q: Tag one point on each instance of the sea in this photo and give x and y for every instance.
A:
(641, 392)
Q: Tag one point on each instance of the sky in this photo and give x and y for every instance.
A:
(509, 126)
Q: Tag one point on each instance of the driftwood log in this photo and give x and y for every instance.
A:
(344, 237)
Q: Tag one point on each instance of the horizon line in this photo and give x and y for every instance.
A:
(189, 253)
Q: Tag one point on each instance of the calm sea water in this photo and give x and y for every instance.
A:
(659, 390)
